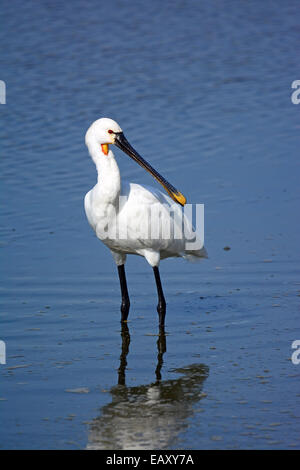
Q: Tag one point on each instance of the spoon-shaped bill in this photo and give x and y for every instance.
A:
(124, 145)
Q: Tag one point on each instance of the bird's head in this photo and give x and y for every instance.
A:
(103, 132)
(106, 131)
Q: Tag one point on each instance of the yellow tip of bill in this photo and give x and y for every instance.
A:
(178, 197)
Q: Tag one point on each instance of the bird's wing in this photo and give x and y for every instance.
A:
(148, 215)
(144, 194)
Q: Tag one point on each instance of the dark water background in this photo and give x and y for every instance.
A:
(202, 89)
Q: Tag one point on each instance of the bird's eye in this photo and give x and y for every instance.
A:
(110, 131)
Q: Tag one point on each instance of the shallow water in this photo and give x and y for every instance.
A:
(203, 91)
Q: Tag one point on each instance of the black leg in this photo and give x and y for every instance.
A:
(125, 297)
(161, 307)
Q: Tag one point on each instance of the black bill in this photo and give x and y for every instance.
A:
(123, 144)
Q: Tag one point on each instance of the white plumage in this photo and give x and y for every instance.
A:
(131, 218)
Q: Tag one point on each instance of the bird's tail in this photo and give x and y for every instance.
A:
(195, 255)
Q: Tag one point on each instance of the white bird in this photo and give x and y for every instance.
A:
(133, 219)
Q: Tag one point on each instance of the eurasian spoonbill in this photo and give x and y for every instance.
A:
(122, 213)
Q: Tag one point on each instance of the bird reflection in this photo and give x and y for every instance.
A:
(147, 416)
(125, 350)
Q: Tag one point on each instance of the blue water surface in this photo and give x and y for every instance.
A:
(202, 89)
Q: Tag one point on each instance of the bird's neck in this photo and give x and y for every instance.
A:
(109, 180)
